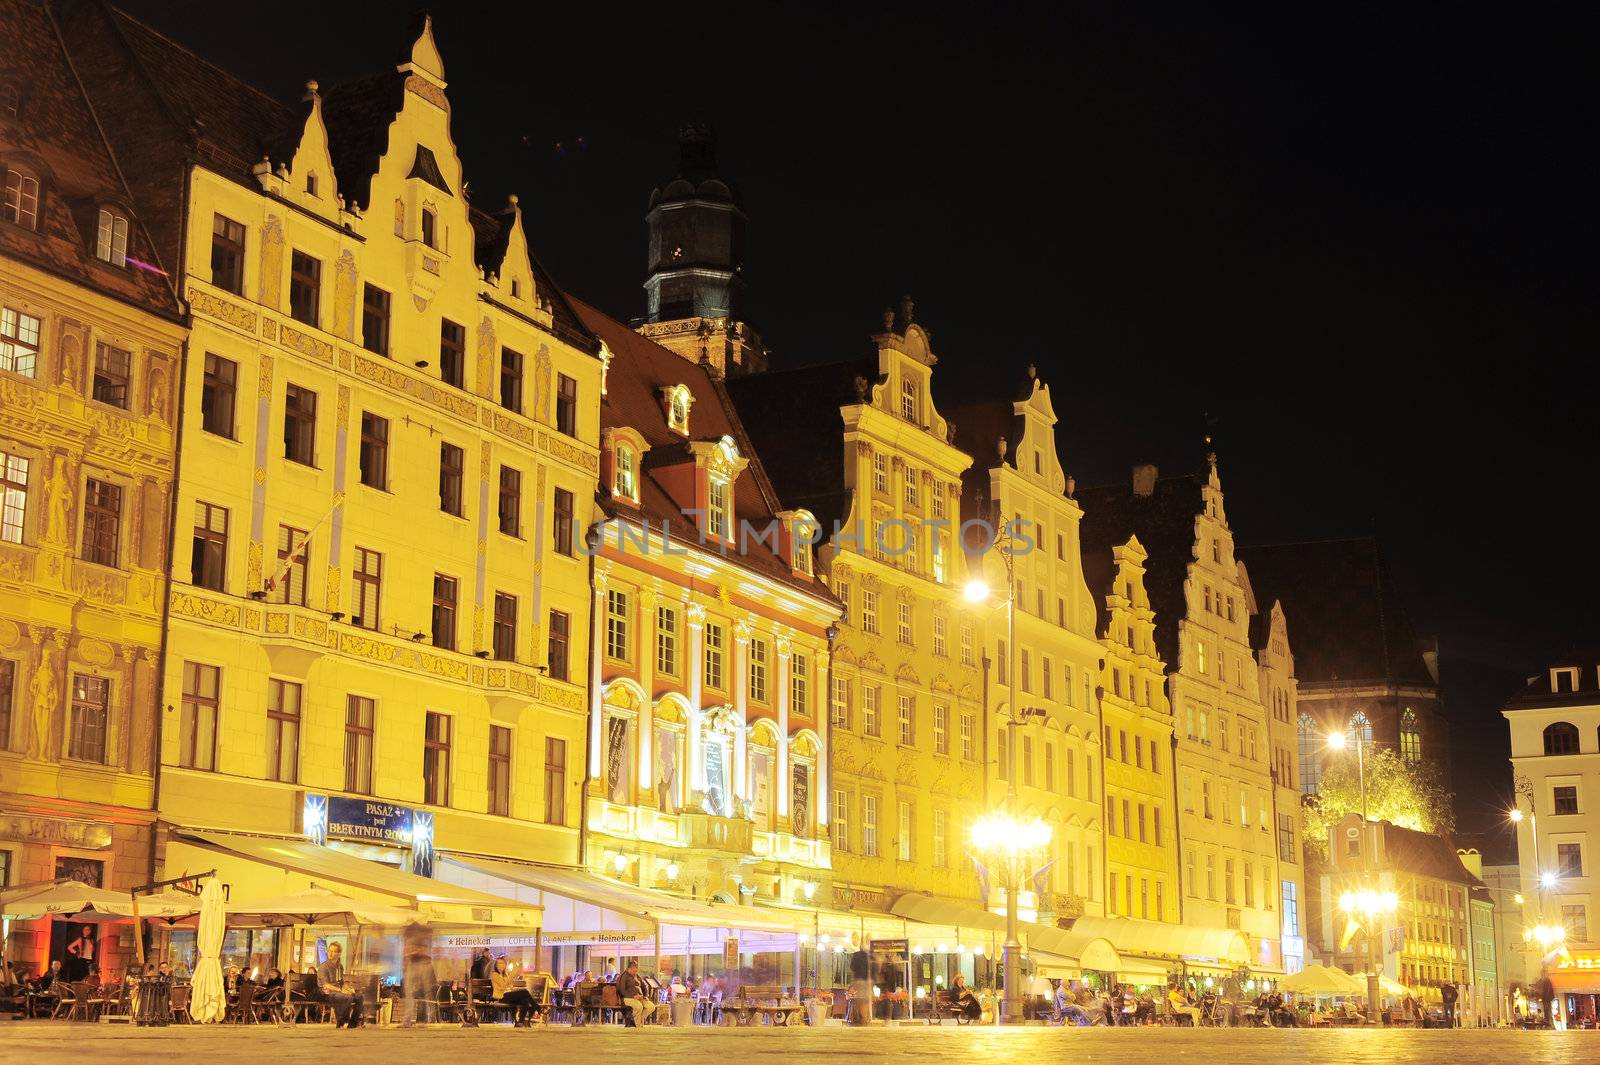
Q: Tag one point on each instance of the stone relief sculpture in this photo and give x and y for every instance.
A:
(45, 693)
(60, 497)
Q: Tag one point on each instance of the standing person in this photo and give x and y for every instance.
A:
(860, 1011)
(420, 983)
(482, 963)
(511, 992)
(81, 952)
(631, 990)
(1448, 995)
(343, 999)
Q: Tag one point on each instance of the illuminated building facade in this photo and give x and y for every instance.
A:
(1269, 636)
(390, 444)
(1017, 477)
(91, 344)
(708, 746)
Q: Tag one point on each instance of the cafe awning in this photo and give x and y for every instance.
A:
(1057, 948)
(1156, 939)
(293, 865)
(583, 907)
(946, 913)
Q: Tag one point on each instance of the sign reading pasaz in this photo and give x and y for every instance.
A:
(363, 819)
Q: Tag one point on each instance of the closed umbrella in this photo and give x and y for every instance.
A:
(208, 1001)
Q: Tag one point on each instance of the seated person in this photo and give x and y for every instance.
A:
(341, 997)
(274, 979)
(631, 990)
(965, 1002)
(509, 990)
(1178, 1005)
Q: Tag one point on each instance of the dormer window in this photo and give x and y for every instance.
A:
(678, 403)
(625, 482)
(311, 184)
(1564, 679)
(719, 516)
(910, 399)
(111, 238)
(430, 223)
(21, 203)
(802, 533)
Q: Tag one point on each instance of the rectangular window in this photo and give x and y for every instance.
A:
(566, 405)
(940, 624)
(841, 715)
(842, 590)
(869, 825)
(1025, 666)
(667, 641)
(509, 502)
(197, 730)
(1249, 884)
(283, 731)
(941, 728)
(1575, 920)
(505, 627)
(14, 471)
(452, 353)
(758, 670)
(1027, 760)
(618, 610)
(227, 254)
(559, 637)
(1227, 883)
(555, 781)
(91, 711)
(374, 451)
(911, 495)
(880, 473)
(1155, 818)
(717, 515)
(869, 611)
(941, 830)
(1002, 754)
(436, 760)
(102, 522)
(209, 555)
(368, 578)
(561, 522)
(375, 320)
(499, 776)
(903, 621)
(1189, 873)
(305, 288)
(1569, 860)
(969, 737)
(967, 655)
(111, 242)
(903, 848)
(840, 812)
(452, 462)
(906, 715)
(19, 342)
(800, 685)
(871, 716)
(112, 375)
(1286, 838)
(359, 713)
(300, 425)
(908, 399)
(1566, 800)
(217, 395)
(714, 649)
(444, 612)
(511, 380)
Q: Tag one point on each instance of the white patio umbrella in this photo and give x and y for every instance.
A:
(1322, 981)
(316, 906)
(208, 1001)
(68, 898)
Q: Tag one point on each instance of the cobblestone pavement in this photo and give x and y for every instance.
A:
(43, 1041)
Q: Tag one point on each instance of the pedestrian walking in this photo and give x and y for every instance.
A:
(1448, 995)
(419, 981)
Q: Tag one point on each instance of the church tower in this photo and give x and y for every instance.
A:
(694, 286)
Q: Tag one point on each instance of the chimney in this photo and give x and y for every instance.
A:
(1144, 480)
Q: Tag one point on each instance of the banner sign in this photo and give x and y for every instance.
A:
(1394, 940)
(328, 817)
(730, 953)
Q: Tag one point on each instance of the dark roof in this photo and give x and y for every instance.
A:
(55, 135)
(794, 422)
(640, 369)
(1497, 847)
(1537, 693)
(358, 114)
(1425, 854)
(1346, 622)
(696, 176)
(1164, 522)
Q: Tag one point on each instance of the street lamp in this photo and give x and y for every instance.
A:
(1010, 846)
(1336, 742)
(1542, 879)
(1370, 906)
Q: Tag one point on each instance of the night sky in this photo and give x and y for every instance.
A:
(1361, 239)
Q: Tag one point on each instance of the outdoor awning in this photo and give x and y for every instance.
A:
(1058, 948)
(434, 901)
(947, 913)
(582, 907)
(1160, 940)
(68, 898)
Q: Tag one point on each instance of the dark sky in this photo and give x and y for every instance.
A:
(1362, 238)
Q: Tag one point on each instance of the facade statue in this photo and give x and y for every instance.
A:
(45, 693)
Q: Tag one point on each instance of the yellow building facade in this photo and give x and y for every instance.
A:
(1018, 480)
(91, 338)
(1136, 723)
(708, 741)
(906, 695)
(390, 444)
(1280, 693)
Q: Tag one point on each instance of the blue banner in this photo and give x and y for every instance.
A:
(328, 817)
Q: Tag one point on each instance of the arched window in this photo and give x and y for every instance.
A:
(625, 483)
(678, 410)
(111, 238)
(1310, 755)
(1360, 727)
(21, 202)
(1410, 736)
(1561, 738)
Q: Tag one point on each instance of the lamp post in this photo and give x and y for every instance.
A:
(1370, 906)
(977, 591)
(1010, 846)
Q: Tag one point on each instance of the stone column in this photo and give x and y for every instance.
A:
(824, 715)
(695, 616)
(596, 694)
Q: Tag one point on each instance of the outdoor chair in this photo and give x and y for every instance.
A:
(243, 1010)
(541, 986)
(180, 1003)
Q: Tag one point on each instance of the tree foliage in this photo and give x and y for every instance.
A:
(1409, 795)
